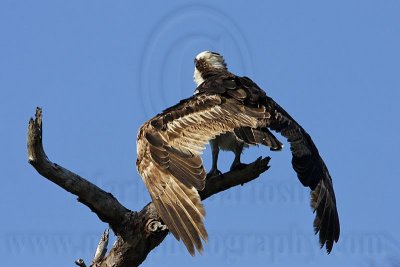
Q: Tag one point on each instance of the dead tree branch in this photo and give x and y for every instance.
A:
(101, 248)
(105, 205)
(80, 263)
(137, 232)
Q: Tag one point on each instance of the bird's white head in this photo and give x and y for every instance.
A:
(207, 63)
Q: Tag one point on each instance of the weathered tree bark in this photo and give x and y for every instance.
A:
(137, 232)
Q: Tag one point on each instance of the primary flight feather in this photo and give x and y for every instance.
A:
(231, 113)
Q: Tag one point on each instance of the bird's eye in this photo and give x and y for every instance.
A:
(195, 61)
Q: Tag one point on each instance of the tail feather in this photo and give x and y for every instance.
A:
(258, 136)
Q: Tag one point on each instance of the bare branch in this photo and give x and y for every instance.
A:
(230, 179)
(137, 232)
(105, 205)
(80, 263)
(101, 247)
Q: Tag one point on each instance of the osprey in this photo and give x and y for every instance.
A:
(231, 112)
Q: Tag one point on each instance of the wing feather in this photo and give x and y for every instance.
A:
(312, 172)
(169, 148)
(182, 222)
(258, 136)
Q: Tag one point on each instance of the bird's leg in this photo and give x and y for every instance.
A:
(236, 164)
(215, 151)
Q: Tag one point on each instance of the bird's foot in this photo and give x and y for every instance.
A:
(213, 172)
(238, 166)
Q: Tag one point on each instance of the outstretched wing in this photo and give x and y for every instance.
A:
(306, 161)
(311, 171)
(169, 148)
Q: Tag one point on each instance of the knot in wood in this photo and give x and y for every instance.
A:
(154, 226)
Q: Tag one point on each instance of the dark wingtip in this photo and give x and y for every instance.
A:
(329, 246)
(326, 222)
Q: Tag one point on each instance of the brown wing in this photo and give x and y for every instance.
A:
(312, 172)
(169, 148)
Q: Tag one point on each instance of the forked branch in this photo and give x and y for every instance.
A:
(137, 232)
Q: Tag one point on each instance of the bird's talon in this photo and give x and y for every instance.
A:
(213, 173)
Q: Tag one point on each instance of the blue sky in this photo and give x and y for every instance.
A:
(99, 69)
